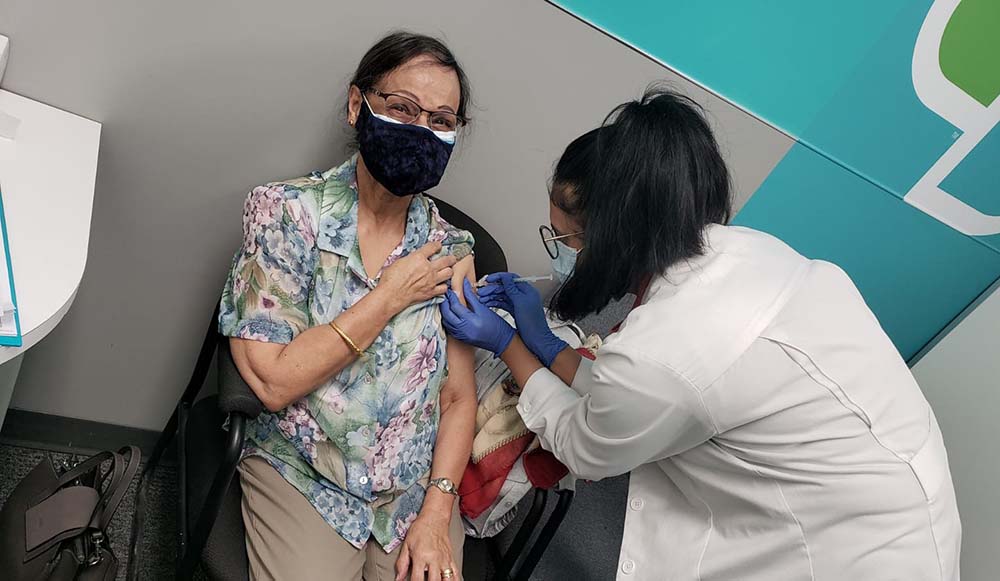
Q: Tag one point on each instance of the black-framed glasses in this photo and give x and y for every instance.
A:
(406, 110)
(549, 238)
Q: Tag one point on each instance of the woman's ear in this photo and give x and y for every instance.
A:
(353, 104)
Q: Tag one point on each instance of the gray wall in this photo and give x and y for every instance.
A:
(202, 100)
(961, 379)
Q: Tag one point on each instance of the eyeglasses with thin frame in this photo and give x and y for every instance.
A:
(549, 238)
(406, 110)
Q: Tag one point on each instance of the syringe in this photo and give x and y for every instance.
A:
(482, 282)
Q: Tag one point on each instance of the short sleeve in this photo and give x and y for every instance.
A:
(266, 297)
(456, 242)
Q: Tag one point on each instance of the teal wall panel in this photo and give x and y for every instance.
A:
(914, 272)
(840, 78)
(781, 59)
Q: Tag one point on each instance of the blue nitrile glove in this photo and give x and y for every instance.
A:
(494, 297)
(478, 325)
(524, 302)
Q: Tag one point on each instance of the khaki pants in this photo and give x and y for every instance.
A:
(288, 540)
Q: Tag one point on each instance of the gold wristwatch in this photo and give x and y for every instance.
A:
(445, 485)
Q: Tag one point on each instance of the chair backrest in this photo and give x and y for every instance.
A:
(489, 255)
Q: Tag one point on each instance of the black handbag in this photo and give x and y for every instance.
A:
(54, 525)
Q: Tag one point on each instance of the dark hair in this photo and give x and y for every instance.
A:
(644, 187)
(572, 170)
(399, 47)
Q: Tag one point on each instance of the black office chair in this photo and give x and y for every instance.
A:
(210, 522)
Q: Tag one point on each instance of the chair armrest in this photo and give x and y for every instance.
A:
(234, 393)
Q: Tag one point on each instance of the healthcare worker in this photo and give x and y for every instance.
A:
(771, 429)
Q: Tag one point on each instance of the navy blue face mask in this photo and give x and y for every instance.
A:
(406, 159)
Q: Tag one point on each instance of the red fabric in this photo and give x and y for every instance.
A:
(542, 468)
(482, 481)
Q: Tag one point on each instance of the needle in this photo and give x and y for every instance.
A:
(482, 282)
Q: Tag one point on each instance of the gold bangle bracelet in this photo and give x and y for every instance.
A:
(350, 343)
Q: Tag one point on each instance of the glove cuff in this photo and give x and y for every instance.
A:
(548, 351)
(508, 336)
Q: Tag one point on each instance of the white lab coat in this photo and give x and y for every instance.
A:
(772, 430)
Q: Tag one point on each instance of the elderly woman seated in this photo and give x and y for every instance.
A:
(331, 306)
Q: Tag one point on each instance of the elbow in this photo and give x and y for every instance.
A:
(262, 375)
(273, 406)
(272, 397)
(588, 463)
(593, 472)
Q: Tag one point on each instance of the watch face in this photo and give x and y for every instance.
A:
(444, 484)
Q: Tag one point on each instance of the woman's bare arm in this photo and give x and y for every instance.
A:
(458, 423)
(281, 374)
(427, 545)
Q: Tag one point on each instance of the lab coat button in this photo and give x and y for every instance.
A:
(628, 566)
(636, 504)
(363, 480)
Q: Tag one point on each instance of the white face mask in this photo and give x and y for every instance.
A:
(564, 262)
(445, 136)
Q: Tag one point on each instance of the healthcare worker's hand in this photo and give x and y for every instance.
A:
(476, 325)
(524, 302)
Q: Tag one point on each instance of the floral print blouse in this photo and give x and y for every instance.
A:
(359, 447)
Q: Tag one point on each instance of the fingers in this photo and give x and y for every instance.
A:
(500, 276)
(434, 572)
(440, 290)
(505, 280)
(403, 563)
(430, 249)
(420, 566)
(444, 262)
(490, 290)
(444, 275)
(471, 300)
(451, 320)
(493, 298)
(498, 304)
(509, 286)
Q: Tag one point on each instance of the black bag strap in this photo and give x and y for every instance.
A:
(121, 472)
(124, 472)
(103, 477)
(88, 465)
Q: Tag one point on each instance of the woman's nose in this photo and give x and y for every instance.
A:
(423, 119)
